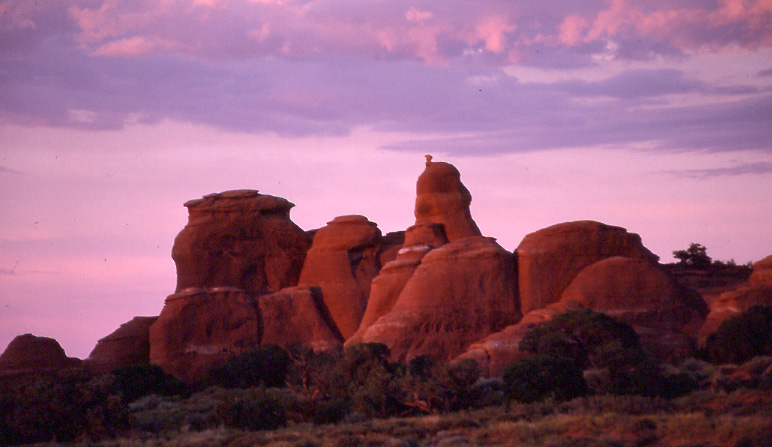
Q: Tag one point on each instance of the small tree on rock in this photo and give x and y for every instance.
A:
(694, 256)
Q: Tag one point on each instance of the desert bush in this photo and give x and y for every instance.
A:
(332, 411)
(253, 410)
(544, 376)
(265, 366)
(591, 339)
(135, 381)
(742, 337)
(648, 378)
(64, 408)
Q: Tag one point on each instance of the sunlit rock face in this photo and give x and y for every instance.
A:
(448, 285)
(549, 259)
(127, 345)
(419, 239)
(342, 262)
(441, 198)
(239, 239)
(30, 354)
(460, 293)
(638, 293)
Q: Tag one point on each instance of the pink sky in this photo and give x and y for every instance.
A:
(652, 115)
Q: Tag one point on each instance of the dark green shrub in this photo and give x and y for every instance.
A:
(332, 411)
(544, 376)
(647, 378)
(265, 366)
(591, 339)
(63, 408)
(741, 338)
(135, 381)
(253, 411)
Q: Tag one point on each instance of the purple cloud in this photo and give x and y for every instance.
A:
(758, 168)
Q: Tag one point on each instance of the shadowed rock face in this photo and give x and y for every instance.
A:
(199, 328)
(239, 239)
(442, 198)
(638, 293)
(127, 345)
(460, 293)
(549, 259)
(31, 354)
(296, 316)
(342, 262)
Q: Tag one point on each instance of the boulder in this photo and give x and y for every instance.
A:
(639, 293)
(460, 293)
(30, 354)
(442, 198)
(549, 259)
(127, 345)
(342, 262)
(419, 239)
(239, 239)
(200, 328)
(296, 316)
(733, 303)
(762, 272)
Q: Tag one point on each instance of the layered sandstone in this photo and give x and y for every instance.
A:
(127, 345)
(549, 259)
(342, 262)
(459, 293)
(419, 239)
(239, 239)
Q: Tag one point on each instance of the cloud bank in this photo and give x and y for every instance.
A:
(326, 67)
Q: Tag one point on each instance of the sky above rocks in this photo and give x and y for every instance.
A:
(652, 115)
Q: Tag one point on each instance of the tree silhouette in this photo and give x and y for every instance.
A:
(694, 256)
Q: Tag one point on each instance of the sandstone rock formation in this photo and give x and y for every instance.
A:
(342, 262)
(442, 198)
(549, 259)
(239, 239)
(29, 354)
(297, 316)
(460, 293)
(733, 303)
(127, 345)
(762, 272)
(419, 239)
(199, 328)
(638, 293)
(500, 349)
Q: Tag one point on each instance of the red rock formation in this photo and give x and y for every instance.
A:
(386, 287)
(442, 198)
(497, 351)
(127, 345)
(239, 239)
(762, 272)
(199, 328)
(638, 293)
(733, 303)
(460, 293)
(549, 259)
(342, 262)
(297, 316)
(29, 354)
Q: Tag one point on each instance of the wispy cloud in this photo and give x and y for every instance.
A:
(4, 169)
(758, 168)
